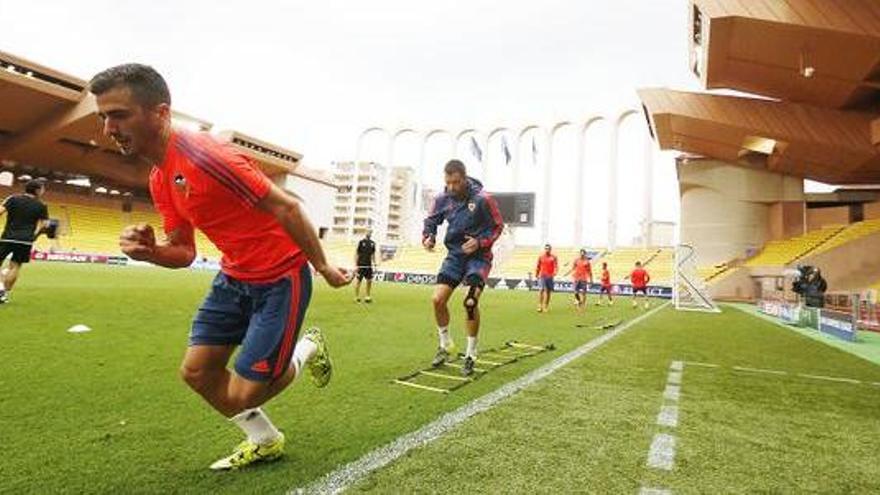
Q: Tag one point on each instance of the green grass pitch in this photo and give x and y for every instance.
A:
(105, 412)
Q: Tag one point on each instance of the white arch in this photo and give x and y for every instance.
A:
(519, 138)
(357, 160)
(579, 180)
(492, 133)
(612, 178)
(548, 177)
(481, 141)
(421, 173)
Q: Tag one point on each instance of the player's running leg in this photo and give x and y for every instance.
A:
(440, 301)
(8, 281)
(265, 319)
(357, 286)
(369, 297)
(475, 279)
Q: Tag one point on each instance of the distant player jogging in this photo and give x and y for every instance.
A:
(365, 261)
(639, 279)
(605, 286)
(259, 299)
(474, 224)
(26, 218)
(545, 270)
(583, 276)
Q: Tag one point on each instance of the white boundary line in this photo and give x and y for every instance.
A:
(654, 491)
(661, 455)
(830, 378)
(836, 379)
(668, 416)
(759, 370)
(349, 474)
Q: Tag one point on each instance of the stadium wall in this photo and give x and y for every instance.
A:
(872, 211)
(822, 217)
(850, 266)
(726, 210)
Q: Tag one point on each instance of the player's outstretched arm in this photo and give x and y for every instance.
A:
(178, 250)
(292, 217)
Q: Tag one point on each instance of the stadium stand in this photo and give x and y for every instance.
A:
(781, 253)
(91, 222)
(851, 233)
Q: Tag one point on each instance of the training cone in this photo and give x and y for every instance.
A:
(79, 329)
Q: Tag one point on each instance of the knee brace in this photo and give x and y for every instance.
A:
(471, 301)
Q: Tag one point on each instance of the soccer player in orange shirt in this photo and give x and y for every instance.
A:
(546, 269)
(605, 286)
(640, 278)
(259, 299)
(583, 275)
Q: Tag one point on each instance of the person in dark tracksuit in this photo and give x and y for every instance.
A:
(474, 224)
(26, 218)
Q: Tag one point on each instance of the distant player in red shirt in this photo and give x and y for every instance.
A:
(583, 275)
(605, 287)
(259, 299)
(640, 278)
(544, 272)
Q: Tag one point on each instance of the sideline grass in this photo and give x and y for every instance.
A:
(104, 412)
(588, 427)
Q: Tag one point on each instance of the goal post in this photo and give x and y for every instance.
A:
(689, 290)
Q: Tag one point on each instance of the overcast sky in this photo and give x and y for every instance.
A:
(311, 75)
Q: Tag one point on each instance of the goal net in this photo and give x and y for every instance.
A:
(689, 291)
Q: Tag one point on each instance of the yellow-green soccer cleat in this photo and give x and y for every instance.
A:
(248, 453)
(320, 366)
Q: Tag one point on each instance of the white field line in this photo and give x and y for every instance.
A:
(676, 366)
(674, 378)
(702, 365)
(654, 491)
(668, 416)
(782, 372)
(672, 392)
(759, 370)
(349, 474)
(830, 378)
(661, 455)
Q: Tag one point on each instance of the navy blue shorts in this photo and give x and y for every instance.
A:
(643, 290)
(263, 318)
(545, 283)
(580, 286)
(458, 269)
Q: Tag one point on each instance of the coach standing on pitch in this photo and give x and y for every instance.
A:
(365, 261)
(474, 225)
(259, 299)
(27, 216)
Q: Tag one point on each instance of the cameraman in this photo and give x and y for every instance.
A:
(811, 286)
(814, 289)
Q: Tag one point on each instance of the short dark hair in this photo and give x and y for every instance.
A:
(33, 186)
(455, 167)
(147, 86)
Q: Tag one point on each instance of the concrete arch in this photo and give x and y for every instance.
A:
(614, 159)
(578, 193)
(517, 166)
(495, 131)
(548, 178)
(422, 158)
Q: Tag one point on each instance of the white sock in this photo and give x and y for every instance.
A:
(304, 352)
(445, 341)
(256, 425)
(472, 347)
(2, 287)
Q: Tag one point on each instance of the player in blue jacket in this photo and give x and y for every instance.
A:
(474, 223)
